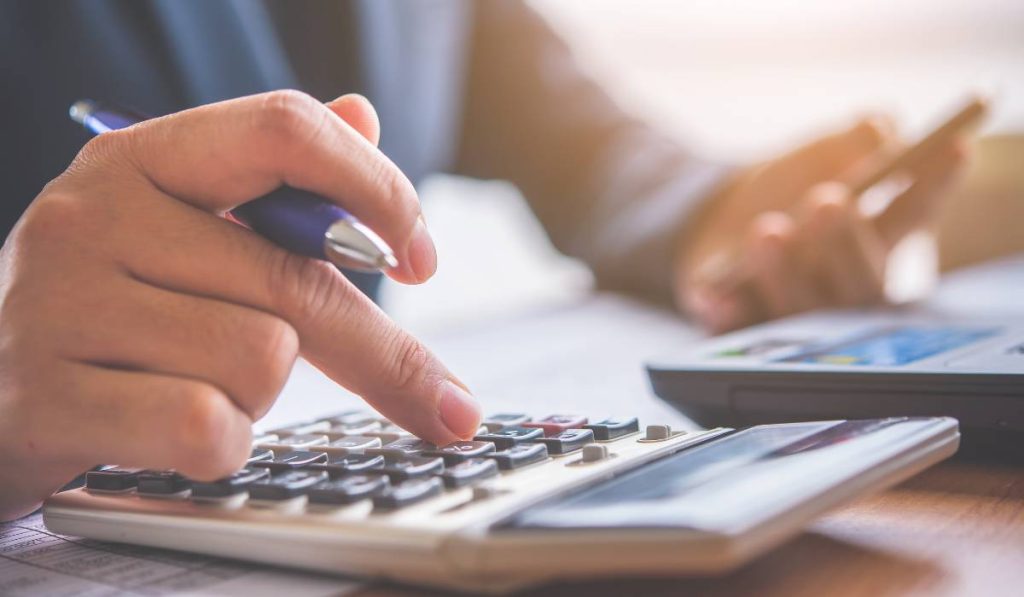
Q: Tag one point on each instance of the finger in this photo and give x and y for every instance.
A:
(831, 156)
(244, 352)
(340, 330)
(768, 243)
(850, 256)
(913, 208)
(358, 112)
(221, 155)
(147, 420)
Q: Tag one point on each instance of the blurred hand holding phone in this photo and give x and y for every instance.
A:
(728, 275)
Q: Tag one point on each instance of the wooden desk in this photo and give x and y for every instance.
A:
(957, 529)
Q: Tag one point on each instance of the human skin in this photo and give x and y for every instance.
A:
(800, 239)
(140, 327)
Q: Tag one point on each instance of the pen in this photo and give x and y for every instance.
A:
(296, 220)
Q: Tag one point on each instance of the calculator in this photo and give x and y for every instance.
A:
(528, 500)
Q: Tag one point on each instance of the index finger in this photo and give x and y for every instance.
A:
(220, 155)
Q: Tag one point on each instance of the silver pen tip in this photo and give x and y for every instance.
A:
(81, 110)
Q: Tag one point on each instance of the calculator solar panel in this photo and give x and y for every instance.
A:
(526, 500)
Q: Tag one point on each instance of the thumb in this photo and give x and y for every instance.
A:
(358, 112)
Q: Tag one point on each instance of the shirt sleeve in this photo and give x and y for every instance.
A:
(608, 188)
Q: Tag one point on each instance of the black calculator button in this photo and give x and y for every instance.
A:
(285, 485)
(610, 429)
(352, 444)
(339, 431)
(510, 436)
(347, 490)
(412, 467)
(296, 442)
(567, 441)
(519, 456)
(303, 428)
(228, 486)
(162, 483)
(409, 446)
(351, 417)
(408, 493)
(112, 479)
(291, 460)
(502, 420)
(468, 472)
(338, 466)
(555, 424)
(457, 452)
(258, 454)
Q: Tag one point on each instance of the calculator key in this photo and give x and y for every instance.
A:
(352, 444)
(162, 483)
(339, 431)
(555, 424)
(610, 429)
(347, 490)
(468, 472)
(413, 467)
(410, 446)
(519, 456)
(510, 436)
(297, 442)
(567, 441)
(351, 417)
(338, 466)
(291, 460)
(228, 486)
(594, 453)
(389, 433)
(304, 428)
(113, 479)
(408, 493)
(265, 438)
(258, 454)
(285, 485)
(456, 452)
(502, 420)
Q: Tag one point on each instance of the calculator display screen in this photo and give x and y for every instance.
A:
(728, 483)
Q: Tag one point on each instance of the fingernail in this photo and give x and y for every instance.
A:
(460, 413)
(422, 253)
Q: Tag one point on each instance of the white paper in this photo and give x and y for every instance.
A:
(35, 561)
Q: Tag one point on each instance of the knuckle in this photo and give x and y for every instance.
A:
(288, 116)
(45, 223)
(409, 363)
(206, 434)
(304, 287)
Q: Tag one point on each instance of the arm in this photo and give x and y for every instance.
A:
(607, 188)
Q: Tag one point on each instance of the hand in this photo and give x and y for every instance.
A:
(137, 327)
(801, 241)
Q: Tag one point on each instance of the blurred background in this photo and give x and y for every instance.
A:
(737, 80)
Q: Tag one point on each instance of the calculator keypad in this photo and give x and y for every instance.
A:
(358, 458)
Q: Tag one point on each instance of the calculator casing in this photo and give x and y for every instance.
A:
(455, 543)
(981, 383)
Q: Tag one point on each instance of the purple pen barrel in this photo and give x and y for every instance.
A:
(293, 219)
